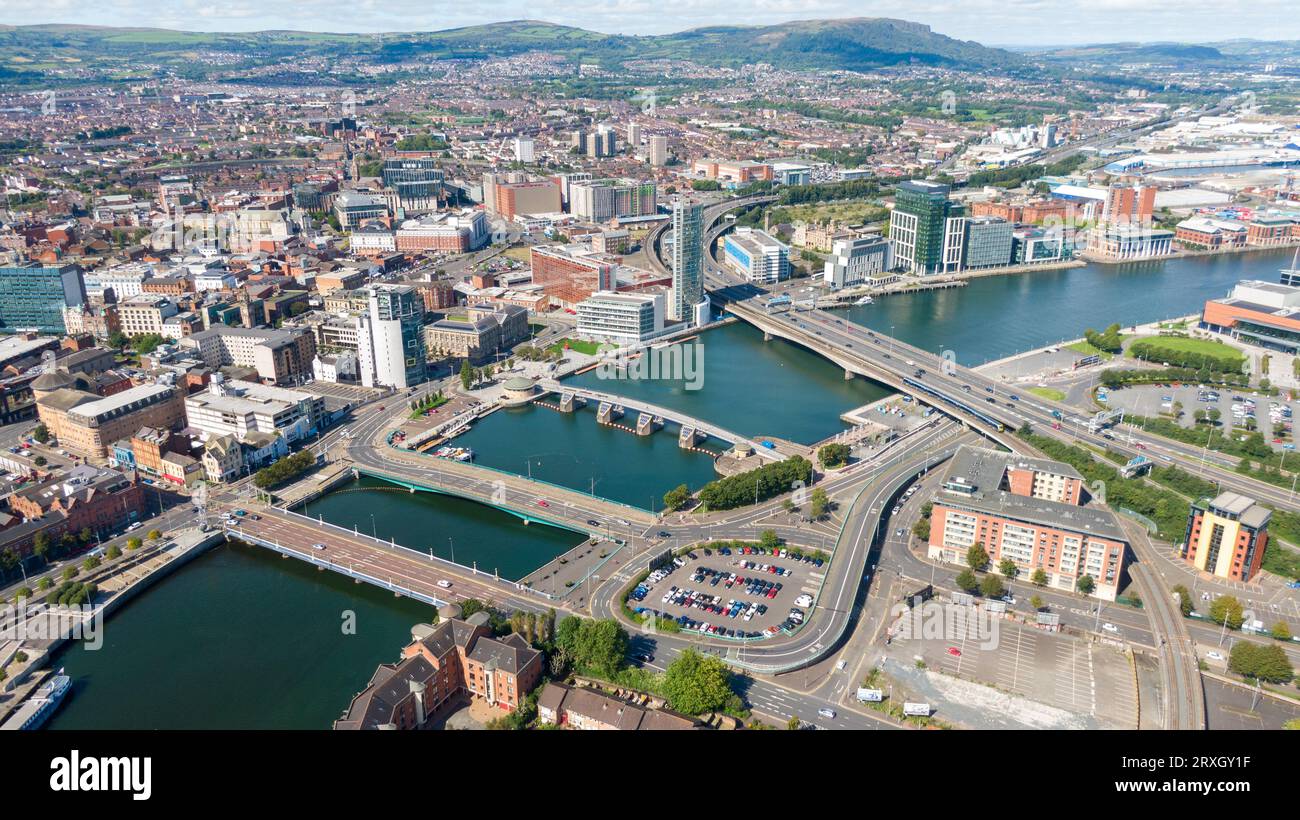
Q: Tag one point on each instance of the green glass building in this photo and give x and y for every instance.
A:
(32, 296)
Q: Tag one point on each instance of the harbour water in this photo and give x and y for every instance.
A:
(241, 638)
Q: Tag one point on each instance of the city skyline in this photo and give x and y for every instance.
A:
(1014, 23)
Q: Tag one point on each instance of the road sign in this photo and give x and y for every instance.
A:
(870, 695)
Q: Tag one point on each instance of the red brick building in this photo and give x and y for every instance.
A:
(444, 664)
(1029, 512)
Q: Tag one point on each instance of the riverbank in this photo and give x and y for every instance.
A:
(1190, 253)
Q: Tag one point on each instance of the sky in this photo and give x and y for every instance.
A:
(991, 22)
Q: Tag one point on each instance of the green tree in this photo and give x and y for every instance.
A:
(1184, 599)
(921, 529)
(133, 543)
(1008, 568)
(1085, 584)
(768, 540)
(41, 433)
(818, 504)
(991, 586)
(1036, 602)
(466, 374)
(696, 683)
(976, 557)
(92, 562)
(1281, 631)
(967, 581)
(677, 497)
(1039, 578)
(834, 455)
(1226, 609)
(40, 461)
(114, 551)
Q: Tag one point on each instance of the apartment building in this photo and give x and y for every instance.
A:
(444, 664)
(1027, 511)
(33, 295)
(279, 356)
(448, 232)
(860, 261)
(568, 274)
(1226, 536)
(602, 200)
(145, 313)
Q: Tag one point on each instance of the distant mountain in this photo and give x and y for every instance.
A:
(857, 44)
(1166, 53)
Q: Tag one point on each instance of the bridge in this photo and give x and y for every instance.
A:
(529, 499)
(611, 405)
(983, 403)
(404, 571)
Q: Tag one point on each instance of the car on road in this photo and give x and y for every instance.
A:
(665, 534)
(1110, 628)
(591, 522)
(255, 517)
(137, 525)
(954, 651)
(1214, 656)
(445, 584)
(318, 546)
(541, 502)
(826, 713)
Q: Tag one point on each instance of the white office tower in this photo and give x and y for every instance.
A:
(658, 151)
(633, 136)
(524, 150)
(390, 345)
(688, 258)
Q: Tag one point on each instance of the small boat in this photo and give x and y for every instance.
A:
(865, 300)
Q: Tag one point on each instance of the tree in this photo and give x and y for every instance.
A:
(1184, 600)
(1008, 568)
(967, 581)
(976, 557)
(991, 587)
(40, 461)
(696, 683)
(1264, 662)
(154, 535)
(818, 504)
(677, 497)
(768, 540)
(834, 455)
(92, 562)
(921, 529)
(1226, 609)
(1039, 578)
(1281, 631)
(114, 551)
(1036, 602)
(41, 433)
(793, 723)
(1085, 584)
(133, 543)
(466, 374)
(41, 545)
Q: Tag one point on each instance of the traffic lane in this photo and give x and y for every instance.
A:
(382, 562)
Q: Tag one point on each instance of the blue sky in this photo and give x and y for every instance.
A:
(992, 22)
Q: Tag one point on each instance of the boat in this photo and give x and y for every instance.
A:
(455, 453)
(865, 300)
(37, 709)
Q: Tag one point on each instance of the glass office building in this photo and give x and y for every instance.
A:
(33, 296)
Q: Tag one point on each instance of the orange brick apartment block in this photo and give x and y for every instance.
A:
(1028, 511)
(444, 661)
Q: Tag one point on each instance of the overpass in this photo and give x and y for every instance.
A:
(970, 396)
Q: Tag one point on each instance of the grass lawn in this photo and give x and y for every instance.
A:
(1183, 344)
(588, 348)
(1089, 350)
(518, 254)
(1049, 393)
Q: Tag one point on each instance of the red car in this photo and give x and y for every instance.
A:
(542, 503)
(954, 651)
